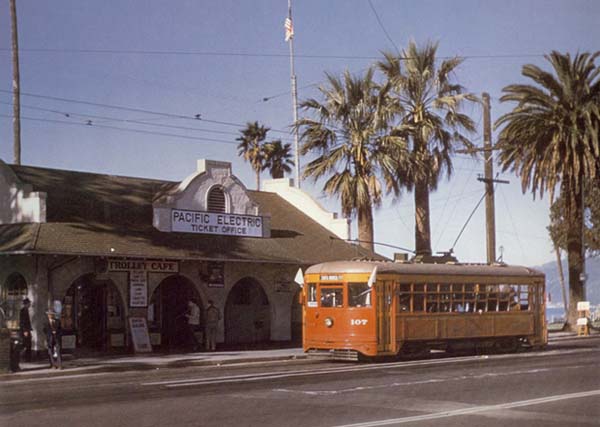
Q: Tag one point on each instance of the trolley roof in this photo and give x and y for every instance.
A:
(342, 267)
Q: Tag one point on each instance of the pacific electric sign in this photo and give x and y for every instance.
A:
(185, 221)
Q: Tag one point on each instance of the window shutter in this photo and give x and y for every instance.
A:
(216, 200)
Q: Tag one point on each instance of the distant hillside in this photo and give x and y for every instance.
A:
(592, 267)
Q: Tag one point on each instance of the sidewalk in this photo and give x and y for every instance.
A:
(137, 362)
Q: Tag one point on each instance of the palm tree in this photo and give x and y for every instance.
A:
(354, 149)
(250, 147)
(432, 121)
(278, 158)
(551, 140)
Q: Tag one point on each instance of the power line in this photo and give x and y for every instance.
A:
(145, 132)
(115, 119)
(247, 54)
(184, 53)
(138, 110)
(383, 28)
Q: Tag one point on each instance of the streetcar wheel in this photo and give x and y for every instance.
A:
(506, 345)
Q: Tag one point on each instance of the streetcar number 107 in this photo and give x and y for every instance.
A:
(358, 322)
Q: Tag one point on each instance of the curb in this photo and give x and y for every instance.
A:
(105, 366)
(134, 366)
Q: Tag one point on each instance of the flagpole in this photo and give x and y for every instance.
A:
(294, 99)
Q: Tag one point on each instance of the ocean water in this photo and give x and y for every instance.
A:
(555, 314)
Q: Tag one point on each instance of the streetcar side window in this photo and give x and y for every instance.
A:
(332, 297)
(419, 297)
(359, 295)
(523, 298)
(463, 297)
(312, 294)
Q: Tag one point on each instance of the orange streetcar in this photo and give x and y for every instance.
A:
(366, 309)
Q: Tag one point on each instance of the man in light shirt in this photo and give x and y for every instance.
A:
(193, 322)
(213, 315)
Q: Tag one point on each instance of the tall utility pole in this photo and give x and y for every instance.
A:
(289, 37)
(16, 85)
(488, 179)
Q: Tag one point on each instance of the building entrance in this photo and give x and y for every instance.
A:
(93, 313)
(168, 307)
(247, 314)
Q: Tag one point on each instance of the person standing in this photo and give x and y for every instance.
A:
(25, 329)
(53, 333)
(213, 315)
(193, 322)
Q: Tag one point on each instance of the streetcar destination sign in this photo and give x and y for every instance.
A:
(185, 221)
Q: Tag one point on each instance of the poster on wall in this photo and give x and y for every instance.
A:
(215, 274)
(138, 288)
(139, 335)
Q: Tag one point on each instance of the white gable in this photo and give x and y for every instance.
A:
(18, 203)
(192, 194)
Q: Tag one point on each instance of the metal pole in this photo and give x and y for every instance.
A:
(294, 104)
(489, 184)
(583, 275)
(16, 85)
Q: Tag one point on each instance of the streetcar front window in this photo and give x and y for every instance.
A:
(312, 294)
(359, 295)
(332, 297)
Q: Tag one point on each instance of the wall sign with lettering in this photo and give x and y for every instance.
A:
(149, 265)
(138, 288)
(139, 335)
(200, 222)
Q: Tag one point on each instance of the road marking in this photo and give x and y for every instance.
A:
(412, 383)
(191, 382)
(475, 410)
(314, 372)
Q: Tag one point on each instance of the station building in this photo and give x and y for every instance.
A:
(105, 250)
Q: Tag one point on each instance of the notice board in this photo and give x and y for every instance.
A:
(139, 335)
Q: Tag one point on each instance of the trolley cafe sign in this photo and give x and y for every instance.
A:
(150, 266)
(200, 222)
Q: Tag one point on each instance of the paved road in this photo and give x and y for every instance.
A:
(557, 387)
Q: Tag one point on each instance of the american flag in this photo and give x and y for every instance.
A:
(289, 28)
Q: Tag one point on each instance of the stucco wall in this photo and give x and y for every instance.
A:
(191, 193)
(303, 201)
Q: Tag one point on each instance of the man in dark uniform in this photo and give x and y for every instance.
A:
(25, 329)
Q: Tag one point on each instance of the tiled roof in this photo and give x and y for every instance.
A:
(103, 215)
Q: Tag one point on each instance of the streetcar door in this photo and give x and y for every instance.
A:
(384, 319)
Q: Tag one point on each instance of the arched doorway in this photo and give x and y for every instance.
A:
(93, 312)
(11, 297)
(247, 314)
(166, 313)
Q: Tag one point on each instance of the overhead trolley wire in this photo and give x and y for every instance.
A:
(197, 117)
(146, 132)
(176, 52)
(142, 122)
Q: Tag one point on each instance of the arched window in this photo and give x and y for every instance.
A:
(216, 200)
(13, 292)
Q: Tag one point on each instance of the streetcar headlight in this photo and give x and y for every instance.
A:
(328, 322)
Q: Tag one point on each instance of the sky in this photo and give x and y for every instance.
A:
(116, 87)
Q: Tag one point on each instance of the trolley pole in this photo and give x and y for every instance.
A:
(488, 179)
